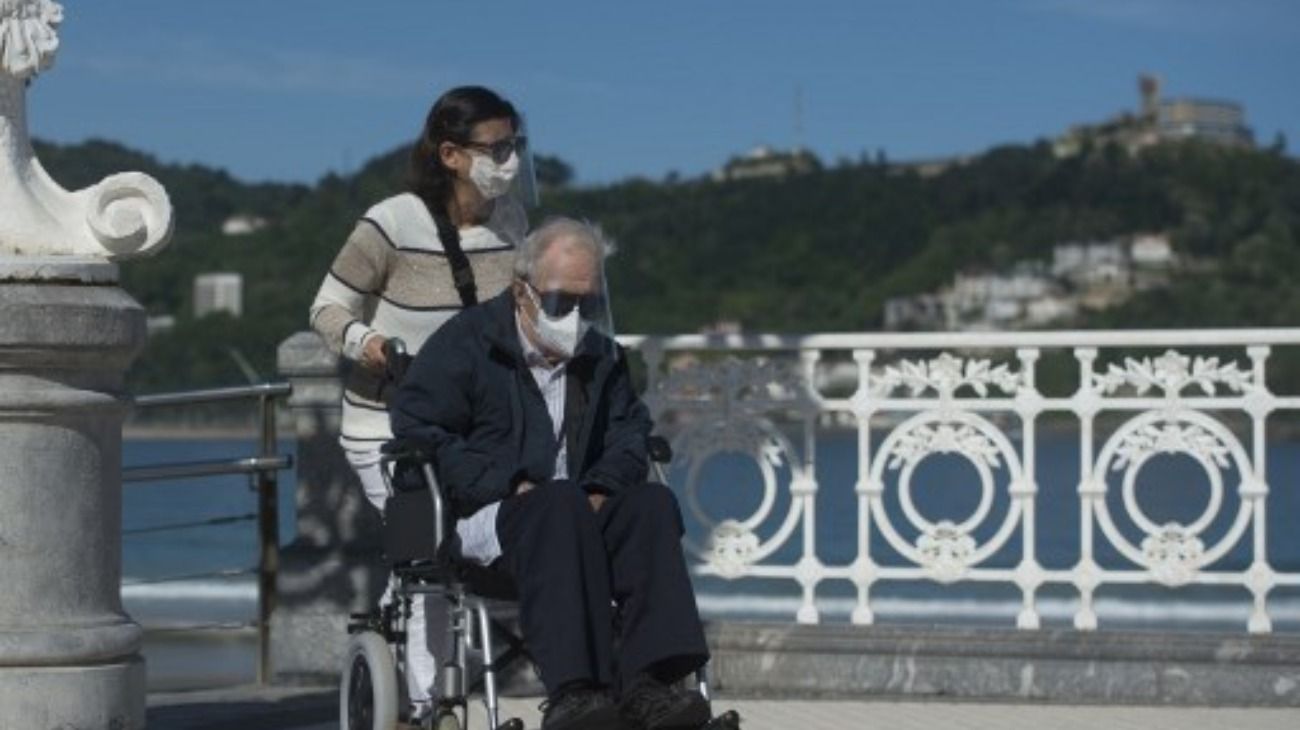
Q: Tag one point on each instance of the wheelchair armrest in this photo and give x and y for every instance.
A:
(415, 502)
(659, 450)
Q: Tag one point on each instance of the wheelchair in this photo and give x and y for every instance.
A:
(419, 543)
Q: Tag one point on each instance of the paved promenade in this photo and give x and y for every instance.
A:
(316, 709)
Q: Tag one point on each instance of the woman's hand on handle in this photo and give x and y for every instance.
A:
(372, 353)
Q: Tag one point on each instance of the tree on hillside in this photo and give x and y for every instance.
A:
(814, 252)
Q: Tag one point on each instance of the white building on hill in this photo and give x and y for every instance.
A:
(218, 292)
(1092, 275)
(242, 225)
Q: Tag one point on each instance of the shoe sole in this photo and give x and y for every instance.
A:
(688, 718)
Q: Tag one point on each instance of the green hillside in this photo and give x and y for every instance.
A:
(817, 252)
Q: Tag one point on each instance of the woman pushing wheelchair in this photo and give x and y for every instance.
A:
(412, 261)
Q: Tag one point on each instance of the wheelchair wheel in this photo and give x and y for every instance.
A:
(368, 690)
(446, 720)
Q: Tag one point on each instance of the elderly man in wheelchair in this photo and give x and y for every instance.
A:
(523, 412)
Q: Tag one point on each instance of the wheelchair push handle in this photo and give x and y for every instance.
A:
(659, 450)
(397, 360)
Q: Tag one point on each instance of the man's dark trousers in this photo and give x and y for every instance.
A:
(569, 563)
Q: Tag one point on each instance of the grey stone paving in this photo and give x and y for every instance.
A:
(315, 709)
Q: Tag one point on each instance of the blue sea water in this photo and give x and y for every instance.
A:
(1172, 489)
(152, 559)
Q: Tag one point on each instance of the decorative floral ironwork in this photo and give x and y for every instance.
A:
(733, 380)
(1173, 372)
(741, 435)
(945, 375)
(923, 440)
(1122, 447)
(1167, 438)
(1173, 552)
(1173, 555)
(732, 549)
(945, 551)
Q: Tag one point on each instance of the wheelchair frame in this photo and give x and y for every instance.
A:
(373, 688)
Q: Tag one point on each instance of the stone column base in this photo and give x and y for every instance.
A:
(103, 697)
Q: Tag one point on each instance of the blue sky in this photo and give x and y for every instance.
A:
(292, 89)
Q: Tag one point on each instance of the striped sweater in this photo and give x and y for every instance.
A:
(393, 278)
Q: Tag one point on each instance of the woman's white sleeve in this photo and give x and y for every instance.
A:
(338, 312)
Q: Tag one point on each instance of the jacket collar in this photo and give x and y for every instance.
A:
(500, 331)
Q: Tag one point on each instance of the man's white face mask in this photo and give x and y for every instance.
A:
(492, 179)
(559, 335)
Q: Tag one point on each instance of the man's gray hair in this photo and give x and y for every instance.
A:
(586, 234)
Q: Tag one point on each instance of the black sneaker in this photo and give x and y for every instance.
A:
(580, 709)
(655, 706)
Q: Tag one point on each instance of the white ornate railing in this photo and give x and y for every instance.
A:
(976, 395)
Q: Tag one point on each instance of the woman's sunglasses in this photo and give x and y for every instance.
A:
(501, 150)
(560, 303)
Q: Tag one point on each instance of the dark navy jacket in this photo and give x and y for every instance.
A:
(470, 398)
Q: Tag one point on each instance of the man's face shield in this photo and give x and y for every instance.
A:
(565, 304)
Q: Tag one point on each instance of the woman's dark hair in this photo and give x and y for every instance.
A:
(451, 119)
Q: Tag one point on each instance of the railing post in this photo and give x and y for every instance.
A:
(268, 532)
(332, 567)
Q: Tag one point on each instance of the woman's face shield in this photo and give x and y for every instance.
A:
(513, 150)
(524, 186)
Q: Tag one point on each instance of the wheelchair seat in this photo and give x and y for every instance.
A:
(411, 548)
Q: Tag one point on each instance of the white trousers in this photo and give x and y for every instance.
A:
(427, 634)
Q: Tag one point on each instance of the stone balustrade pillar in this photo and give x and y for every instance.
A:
(69, 654)
(333, 566)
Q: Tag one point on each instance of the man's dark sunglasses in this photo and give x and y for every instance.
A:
(560, 303)
(500, 150)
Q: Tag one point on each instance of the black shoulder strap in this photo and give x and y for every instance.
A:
(462, 274)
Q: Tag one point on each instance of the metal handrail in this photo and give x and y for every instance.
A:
(227, 520)
(262, 468)
(195, 469)
(227, 573)
(213, 395)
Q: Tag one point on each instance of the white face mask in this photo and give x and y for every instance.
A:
(491, 179)
(559, 335)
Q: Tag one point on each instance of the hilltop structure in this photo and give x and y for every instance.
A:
(766, 162)
(1161, 120)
